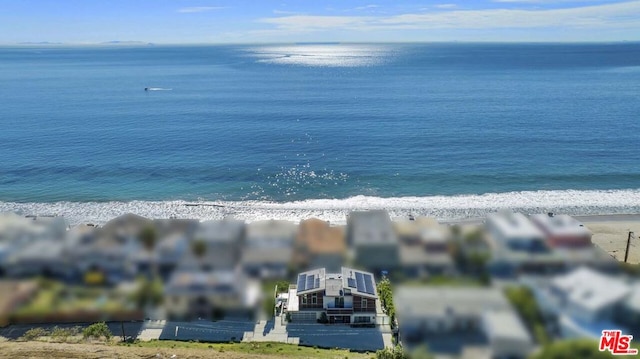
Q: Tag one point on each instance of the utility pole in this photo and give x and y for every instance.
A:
(626, 252)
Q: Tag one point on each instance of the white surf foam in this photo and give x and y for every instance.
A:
(442, 207)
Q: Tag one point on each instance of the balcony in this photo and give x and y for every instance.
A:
(339, 311)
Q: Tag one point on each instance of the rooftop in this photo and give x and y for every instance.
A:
(560, 225)
(320, 238)
(591, 289)
(223, 231)
(411, 301)
(513, 227)
(505, 324)
(371, 228)
(358, 282)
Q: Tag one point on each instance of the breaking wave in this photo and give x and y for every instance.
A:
(446, 208)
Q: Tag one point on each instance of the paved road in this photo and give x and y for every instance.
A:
(337, 336)
(206, 331)
(323, 336)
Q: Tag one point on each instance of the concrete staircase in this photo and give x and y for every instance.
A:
(151, 329)
(273, 330)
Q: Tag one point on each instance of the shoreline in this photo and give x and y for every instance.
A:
(590, 205)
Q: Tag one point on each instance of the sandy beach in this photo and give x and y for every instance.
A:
(610, 232)
(611, 236)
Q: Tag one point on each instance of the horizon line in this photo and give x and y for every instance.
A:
(328, 42)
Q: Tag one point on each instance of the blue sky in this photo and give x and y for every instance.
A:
(242, 21)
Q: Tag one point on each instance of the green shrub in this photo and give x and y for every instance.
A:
(580, 348)
(386, 299)
(34, 333)
(60, 334)
(524, 302)
(395, 353)
(63, 334)
(97, 331)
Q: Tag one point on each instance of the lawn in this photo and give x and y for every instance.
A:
(167, 350)
(54, 297)
(267, 349)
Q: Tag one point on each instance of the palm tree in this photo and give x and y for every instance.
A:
(148, 238)
(199, 249)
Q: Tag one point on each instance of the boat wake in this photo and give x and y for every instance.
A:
(157, 89)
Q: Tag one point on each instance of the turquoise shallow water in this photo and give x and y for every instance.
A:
(284, 123)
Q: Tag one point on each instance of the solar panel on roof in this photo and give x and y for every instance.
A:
(310, 281)
(302, 282)
(351, 282)
(360, 282)
(368, 282)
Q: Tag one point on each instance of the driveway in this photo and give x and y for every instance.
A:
(337, 336)
(206, 331)
(452, 344)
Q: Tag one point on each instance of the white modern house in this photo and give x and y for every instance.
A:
(453, 321)
(349, 296)
(268, 249)
(223, 239)
(519, 246)
(562, 230)
(585, 302)
(515, 231)
(373, 239)
(212, 294)
(425, 247)
(19, 235)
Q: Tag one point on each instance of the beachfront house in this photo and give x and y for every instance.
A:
(106, 260)
(223, 243)
(49, 258)
(373, 240)
(348, 296)
(169, 253)
(461, 321)
(268, 248)
(210, 294)
(572, 240)
(17, 233)
(425, 247)
(562, 231)
(114, 253)
(585, 301)
(318, 244)
(519, 246)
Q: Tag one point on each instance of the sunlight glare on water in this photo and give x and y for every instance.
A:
(324, 55)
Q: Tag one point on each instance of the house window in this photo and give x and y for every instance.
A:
(314, 298)
(304, 299)
(362, 319)
(364, 303)
(339, 302)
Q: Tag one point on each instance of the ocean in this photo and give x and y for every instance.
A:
(296, 130)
